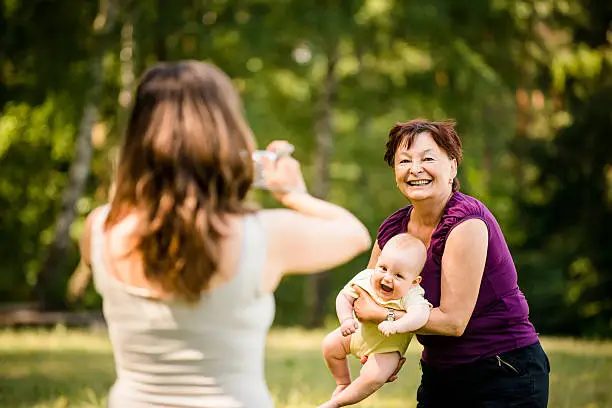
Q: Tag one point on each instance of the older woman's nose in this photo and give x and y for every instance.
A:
(416, 167)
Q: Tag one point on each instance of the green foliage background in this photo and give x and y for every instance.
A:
(528, 82)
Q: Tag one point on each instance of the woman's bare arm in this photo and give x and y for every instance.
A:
(416, 316)
(463, 264)
(85, 241)
(311, 236)
(82, 275)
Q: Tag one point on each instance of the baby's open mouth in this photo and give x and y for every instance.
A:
(385, 288)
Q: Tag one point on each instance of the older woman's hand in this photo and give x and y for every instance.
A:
(366, 309)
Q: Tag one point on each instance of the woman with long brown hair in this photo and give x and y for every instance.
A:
(185, 267)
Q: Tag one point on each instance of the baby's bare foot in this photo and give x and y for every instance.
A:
(339, 389)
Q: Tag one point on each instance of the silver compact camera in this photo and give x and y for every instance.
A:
(260, 157)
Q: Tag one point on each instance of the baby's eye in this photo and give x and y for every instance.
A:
(399, 276)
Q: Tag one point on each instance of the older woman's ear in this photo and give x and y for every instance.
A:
(453, 168)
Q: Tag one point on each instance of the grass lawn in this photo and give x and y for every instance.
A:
(42, 369)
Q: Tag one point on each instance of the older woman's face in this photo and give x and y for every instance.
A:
(424, 170)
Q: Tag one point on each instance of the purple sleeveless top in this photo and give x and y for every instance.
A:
(500, 321)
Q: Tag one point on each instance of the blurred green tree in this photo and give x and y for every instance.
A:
(528, 83)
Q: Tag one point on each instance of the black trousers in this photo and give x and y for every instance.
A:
(517, 378)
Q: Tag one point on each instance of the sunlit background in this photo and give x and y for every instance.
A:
(528, 82)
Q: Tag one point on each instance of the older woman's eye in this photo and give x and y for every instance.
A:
(404, 161)
(428, 159)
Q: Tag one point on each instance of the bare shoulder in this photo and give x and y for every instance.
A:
(273, 221)
(279, 223)
(85, 242)
(467, 243)
(95, 213)
(469, 231)
(275, 218)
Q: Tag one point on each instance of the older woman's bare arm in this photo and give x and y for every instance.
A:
(463, 265)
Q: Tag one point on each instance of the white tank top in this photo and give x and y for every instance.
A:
(175, 355)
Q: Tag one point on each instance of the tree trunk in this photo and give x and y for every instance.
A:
(522, 98)
(80, 278)
(488, 145)
(317, 288)
(127, 76)
(49, 287)
(523, 121)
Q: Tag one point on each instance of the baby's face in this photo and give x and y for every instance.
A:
(395, 274)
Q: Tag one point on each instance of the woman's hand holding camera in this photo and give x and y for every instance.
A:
(283, 175)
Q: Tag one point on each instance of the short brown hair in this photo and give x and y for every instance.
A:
(184, 165)
(443, 133)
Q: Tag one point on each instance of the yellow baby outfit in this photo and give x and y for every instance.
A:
(368, 339)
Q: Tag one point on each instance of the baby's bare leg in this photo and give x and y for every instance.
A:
(335, 349)
(375, 372)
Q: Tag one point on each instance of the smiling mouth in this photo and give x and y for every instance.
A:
(417, 183)
(385, 288)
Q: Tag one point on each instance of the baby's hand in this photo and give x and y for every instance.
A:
(387, 328)
(348, 326)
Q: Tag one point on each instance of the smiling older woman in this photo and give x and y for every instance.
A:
(480, 349)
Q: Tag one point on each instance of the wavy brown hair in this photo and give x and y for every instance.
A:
(184, 165)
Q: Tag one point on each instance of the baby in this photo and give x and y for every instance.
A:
(394, 284)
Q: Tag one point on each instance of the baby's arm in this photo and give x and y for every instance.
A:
(416, 316)
(344, 310)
